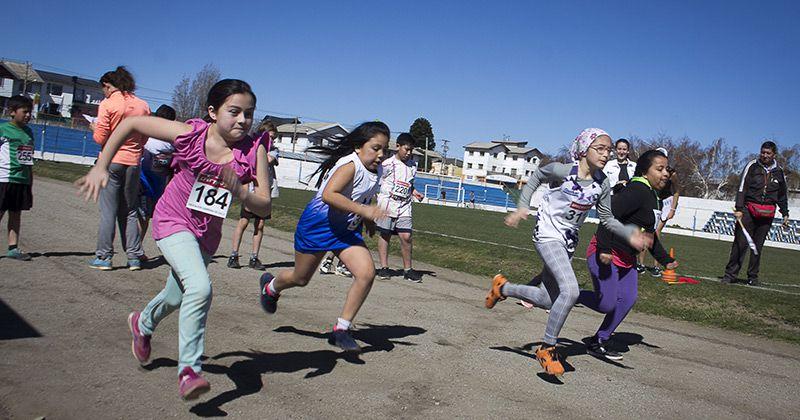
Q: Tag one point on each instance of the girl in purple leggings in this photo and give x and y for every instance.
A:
(612, 261)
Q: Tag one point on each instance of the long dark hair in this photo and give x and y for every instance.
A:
(645, 161)
(222, 90)
(343, 146)
(120, 78)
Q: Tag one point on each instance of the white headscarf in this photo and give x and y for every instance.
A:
(583, 141)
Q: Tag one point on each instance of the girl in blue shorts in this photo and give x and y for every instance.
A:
(332, 221)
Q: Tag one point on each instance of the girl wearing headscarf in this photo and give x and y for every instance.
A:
(574, 189)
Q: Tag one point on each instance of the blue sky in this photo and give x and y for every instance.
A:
(539, 72)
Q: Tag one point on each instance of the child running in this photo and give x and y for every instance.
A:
(575, 188)
(212, 159)
(611, 261)
(16, 171)
(332, 220)
(397, 190)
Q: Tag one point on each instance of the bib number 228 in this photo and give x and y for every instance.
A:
(209, 196)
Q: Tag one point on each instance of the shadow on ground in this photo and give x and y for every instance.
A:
(247, 372)
(567, 348)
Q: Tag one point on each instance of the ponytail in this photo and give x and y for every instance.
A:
(343, 146)
(120, 78)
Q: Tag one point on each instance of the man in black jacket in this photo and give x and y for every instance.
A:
(761, 188)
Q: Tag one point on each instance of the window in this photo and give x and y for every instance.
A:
(480, 166)
(55, 89)
(483, 153)
(470, 153)
(514, 158)
(494, 155)
(469, 166)
(32, 87)
(494, 168)
(513, 172)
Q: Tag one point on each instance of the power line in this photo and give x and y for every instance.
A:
(164, 100)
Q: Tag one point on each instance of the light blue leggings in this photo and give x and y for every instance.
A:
(188, 288)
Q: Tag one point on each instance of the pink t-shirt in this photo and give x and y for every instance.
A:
(189, 160)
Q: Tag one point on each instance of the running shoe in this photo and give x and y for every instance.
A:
(191, 385)
(640, 268)
(596, 349)
(101, 263)
(134, 264)
(233, 262)
(327, 266)
(412, 275)
(256, 264)
(654, 271)
(16, 254)
(753, 282)
(548, 357)
(384, 273)
(269, 301)
(494, 293)
(344, 340)
(341, 270)
(140, 343)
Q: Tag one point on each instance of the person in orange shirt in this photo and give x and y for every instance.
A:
(118, 201)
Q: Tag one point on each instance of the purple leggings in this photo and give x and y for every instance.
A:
(615, 292)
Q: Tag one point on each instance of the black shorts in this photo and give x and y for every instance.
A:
(15, 197)
(246, 214)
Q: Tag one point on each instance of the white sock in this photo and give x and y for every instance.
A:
(271, 287)
(342, 324)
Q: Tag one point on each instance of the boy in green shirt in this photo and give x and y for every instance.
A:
(16, 170)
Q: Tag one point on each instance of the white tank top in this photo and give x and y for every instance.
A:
(364, 185)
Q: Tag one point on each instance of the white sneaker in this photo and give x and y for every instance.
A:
(326, 267)
(341, 270)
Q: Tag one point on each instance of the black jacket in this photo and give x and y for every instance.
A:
(636, 204)
(763, 186)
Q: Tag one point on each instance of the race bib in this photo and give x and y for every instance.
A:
(401, 189)
(25, 155)
(210, 196)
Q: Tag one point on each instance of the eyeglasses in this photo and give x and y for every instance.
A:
(603, 150)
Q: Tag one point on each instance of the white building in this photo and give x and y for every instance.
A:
(53, 94)
(499, 160)
(297, 138)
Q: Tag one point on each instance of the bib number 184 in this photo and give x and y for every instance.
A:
(210, 197)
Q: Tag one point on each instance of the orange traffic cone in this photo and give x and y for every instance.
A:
(668, 275)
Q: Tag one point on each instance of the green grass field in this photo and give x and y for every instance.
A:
(759, 312)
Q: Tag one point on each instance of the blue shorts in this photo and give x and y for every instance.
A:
(321, 229)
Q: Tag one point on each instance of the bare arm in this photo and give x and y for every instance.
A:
(332, 194)
(260, 202)
(159, 128)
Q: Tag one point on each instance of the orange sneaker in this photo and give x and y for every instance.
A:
(494, 295)
(548, 358)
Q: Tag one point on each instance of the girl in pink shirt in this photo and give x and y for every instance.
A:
(212, 160)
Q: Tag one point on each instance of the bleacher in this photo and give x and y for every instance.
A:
(724, 223)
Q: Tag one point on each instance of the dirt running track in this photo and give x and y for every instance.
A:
(431, 349)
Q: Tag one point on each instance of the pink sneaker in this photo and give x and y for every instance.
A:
(140, 344)
(191, 385)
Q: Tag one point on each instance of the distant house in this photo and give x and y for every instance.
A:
(53, 94)
(299, 137)
(499, 160)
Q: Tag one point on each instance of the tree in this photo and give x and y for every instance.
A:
(421, 130)
(189, 95)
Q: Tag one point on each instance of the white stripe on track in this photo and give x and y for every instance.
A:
(461, 238)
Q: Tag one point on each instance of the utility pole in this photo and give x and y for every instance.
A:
(426, 153)
(445, 148)
(294, 135)
(25, 81)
